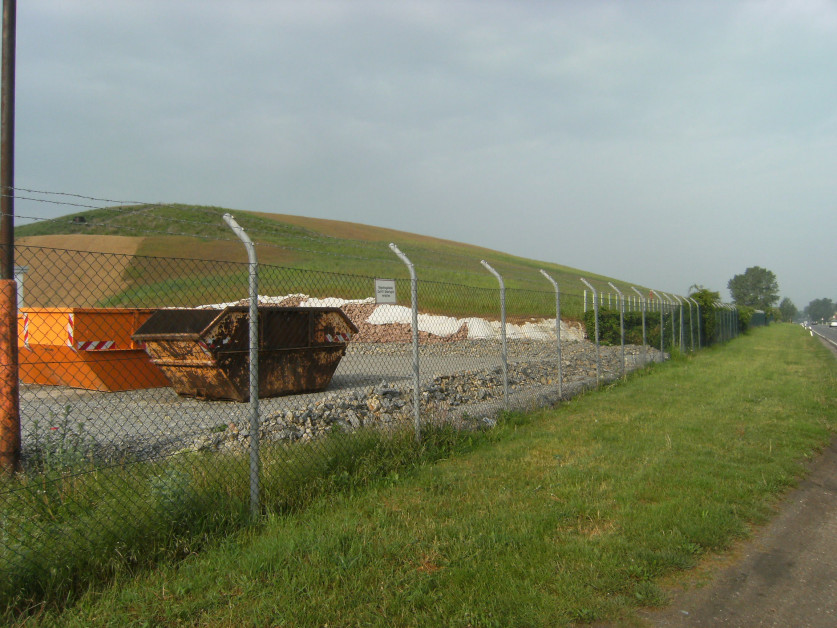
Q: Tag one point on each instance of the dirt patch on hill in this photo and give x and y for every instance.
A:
(66, 271)
(81, 242)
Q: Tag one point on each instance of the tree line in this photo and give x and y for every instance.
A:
(757, 289)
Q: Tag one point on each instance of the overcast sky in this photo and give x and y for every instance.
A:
(664, 143)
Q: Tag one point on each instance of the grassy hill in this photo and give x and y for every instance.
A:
(326, 247)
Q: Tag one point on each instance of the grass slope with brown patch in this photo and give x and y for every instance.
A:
(325, 246)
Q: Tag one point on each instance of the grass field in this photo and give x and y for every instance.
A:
(573, 514)
(306, 244)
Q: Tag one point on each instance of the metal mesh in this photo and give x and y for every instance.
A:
(111, 452)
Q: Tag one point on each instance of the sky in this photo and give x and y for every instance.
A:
(663, 143)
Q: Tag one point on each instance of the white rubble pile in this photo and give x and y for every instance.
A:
(437, 325)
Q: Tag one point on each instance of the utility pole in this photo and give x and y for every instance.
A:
(9, 387)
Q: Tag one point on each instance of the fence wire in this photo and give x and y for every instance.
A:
(120, 450)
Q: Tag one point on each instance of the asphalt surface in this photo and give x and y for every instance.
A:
(827, 333)
(787, 574)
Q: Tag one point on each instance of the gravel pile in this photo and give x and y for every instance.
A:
(373, 388)
(469, 399)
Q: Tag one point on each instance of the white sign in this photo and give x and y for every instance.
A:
(385, 291)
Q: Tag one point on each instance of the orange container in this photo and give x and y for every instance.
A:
(87, 348)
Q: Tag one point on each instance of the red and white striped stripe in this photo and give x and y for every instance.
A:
(96, 345)
(26, 331)
(338, 337)
(71, 326)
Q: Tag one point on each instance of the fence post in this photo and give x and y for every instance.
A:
(585, 301)
(725, 322)
(733, 322)
(10, 443)
(698, 319)
(644, 345)
(662, 328)
(621, 322)
(10, 439)
(671, 303)
(254, 363)
(596, 318)
(414, 305)
(682, 330)
(557, 331)
(502, 330)
(691, 325)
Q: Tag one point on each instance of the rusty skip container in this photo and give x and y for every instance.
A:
(205, 353)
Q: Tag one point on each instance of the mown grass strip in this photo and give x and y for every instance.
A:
(572, 514)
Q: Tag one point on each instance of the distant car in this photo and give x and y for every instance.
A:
(832, 324)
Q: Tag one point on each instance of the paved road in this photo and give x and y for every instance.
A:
(826, 332)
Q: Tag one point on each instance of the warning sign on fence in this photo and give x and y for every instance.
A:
(385, 291)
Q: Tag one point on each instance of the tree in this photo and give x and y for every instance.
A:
(756, 288)
(788, 310)
(820, 309)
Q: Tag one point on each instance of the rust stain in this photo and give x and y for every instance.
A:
(9, 387)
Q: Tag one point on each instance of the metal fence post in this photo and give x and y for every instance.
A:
(733, 324)
(667, 297)
(557, 330)
(644, 344)
(254, 363)
(414, 305)
(662, 327)
(682, 329)
(698, 319)
(691, 325)
(621, 322)
(502, 330)
(596, 325)
(725, 322)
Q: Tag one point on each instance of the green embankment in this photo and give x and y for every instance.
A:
(325, 247)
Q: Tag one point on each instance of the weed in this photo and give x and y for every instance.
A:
(60, 446)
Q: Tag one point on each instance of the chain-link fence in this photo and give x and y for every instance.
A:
(133, 390)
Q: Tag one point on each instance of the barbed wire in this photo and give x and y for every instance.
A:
(43, 200)
(89, 198)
